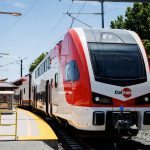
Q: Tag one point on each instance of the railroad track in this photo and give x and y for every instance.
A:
(72, 139)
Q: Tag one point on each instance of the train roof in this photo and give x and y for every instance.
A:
(108, 35)
(101, 35)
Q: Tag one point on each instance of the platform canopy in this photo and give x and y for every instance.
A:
(7, 86)
(142, 1)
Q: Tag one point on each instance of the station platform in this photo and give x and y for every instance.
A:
(22, 125)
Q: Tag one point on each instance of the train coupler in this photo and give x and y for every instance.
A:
(122, 125)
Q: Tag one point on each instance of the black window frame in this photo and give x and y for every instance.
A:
(119, 81)
(56, 80)
(72, 72)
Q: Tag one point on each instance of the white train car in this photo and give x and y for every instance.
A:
(96, 80)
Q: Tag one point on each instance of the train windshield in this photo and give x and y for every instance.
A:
(118, 64)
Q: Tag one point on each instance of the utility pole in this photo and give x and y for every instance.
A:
(21, 68)
(30, 80)
(102, 9)
(21, 65)
(102, 12)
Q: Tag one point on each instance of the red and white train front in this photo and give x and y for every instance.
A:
(99, 81)
(105, 77)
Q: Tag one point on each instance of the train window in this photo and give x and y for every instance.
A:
(48, 63)
(38, 72)
(45, 65)
(56, 80)
(35, 74)
(117, 64)
(67, 73)
(42, 68)
(72, 71)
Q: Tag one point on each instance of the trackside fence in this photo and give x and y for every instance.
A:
(8, 119)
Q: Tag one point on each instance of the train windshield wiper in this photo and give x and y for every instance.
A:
(123, 57)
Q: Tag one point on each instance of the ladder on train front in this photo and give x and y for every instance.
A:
(8, 125)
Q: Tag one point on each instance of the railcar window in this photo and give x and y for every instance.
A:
(48, 63)
(118, 64)
(67, 73)
(38, 72)
(56, 80)
(42, 68)
(45, 66)
(72, 71)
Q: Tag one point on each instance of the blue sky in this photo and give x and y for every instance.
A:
(41, 26)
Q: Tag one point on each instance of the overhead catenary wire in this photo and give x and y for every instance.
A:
(55, 25)
(34, 34)
(13, 62)
(81, 9)
(72, 21)
(75, 18)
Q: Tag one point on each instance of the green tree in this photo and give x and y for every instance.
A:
(119, 23)
(137, 18)
(37, 61)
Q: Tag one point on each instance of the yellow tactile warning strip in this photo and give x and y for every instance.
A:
(43, 131)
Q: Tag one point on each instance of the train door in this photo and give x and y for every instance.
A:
(21, 97)
(34, 97)
(30, 83)
(50, 97)
(47, 95)
(56, 89)
(55, 97)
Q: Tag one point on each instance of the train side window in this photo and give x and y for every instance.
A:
(72, 71)
(35, 74)
(56, 80)
(38, 71)
(48, 63)
(67, 73)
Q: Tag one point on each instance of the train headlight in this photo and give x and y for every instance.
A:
(101, 99)
(146, 99)
(97, 99)
(142, 100)
(110, 37)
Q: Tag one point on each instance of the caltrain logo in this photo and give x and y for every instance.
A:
(126, 92)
